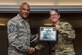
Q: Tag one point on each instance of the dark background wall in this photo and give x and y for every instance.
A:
(37, 19)
(3, 41)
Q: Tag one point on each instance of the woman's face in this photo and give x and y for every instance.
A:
(54, 16)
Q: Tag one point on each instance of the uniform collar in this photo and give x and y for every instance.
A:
(19, 17)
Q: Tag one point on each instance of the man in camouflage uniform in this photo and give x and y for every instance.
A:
(19, 33)
(66, 34)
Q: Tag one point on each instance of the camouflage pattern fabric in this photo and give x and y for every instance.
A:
(18, 36)
(64, 45)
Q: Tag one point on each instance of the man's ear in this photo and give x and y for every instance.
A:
(19, 9)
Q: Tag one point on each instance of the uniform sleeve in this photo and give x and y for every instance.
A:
(32, 37)
(67, 31)
(18, 42)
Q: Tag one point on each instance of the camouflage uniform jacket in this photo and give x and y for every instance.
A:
(64, 45)
(18, 35)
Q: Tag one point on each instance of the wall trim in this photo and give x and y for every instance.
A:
(42, 9)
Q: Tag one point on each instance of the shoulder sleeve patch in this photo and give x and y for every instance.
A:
(12, 28)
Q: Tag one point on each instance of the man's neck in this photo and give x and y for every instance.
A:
(22, 17)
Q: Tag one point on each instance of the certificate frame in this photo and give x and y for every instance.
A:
(48, 33)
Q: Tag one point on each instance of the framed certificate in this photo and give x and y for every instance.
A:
(48, 33)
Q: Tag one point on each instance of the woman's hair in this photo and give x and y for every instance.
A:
(55, 10)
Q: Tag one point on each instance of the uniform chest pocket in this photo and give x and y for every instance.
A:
(22, 27)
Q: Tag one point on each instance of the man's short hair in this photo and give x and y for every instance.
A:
(24, 3)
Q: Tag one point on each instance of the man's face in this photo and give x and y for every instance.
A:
(54, 16)
(24, 10)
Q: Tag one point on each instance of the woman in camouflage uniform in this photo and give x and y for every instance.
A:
(66, 34)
